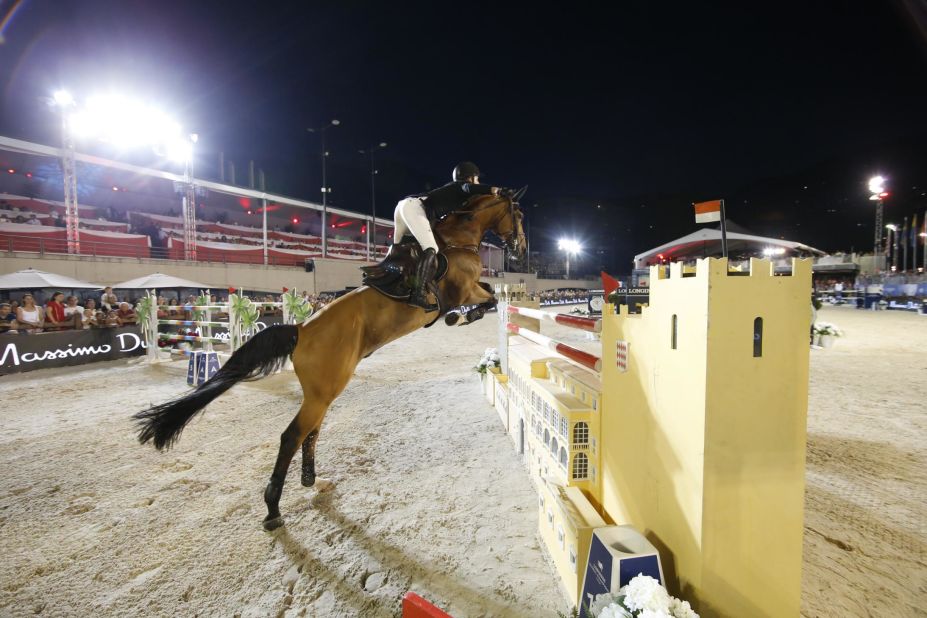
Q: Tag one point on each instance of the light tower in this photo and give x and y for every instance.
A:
(64, 101)
(570, 247)
(877, 194)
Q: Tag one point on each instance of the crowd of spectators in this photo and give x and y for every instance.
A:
(62, 313)
(563, 296)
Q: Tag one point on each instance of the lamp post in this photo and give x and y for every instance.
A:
(877, 194)
(325, 190)
(570, 247)
(373, 195)
(64, 101)
(892, 246)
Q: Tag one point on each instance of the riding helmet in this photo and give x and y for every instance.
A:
(465, 170)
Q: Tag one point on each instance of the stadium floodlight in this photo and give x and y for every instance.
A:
(63, 98)
(892, 227)
(876, 185)
(571, 246)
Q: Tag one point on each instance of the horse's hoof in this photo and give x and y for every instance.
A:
(272, 524)
(451, 318)
(307, 480)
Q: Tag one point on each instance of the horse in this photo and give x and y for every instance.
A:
(327, 347)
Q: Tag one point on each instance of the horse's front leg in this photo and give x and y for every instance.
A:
(481, 295)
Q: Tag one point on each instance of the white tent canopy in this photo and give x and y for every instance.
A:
(32, 279)
(710, 242)
(158, 281)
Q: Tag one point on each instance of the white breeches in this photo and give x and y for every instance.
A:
(410, 217)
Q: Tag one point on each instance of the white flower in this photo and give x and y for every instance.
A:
(613, 610)
(682, 609)
(644, 592)
(651, 613)
(600, 602)
(494, 357)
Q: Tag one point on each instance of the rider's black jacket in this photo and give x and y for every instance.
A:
(450, 197)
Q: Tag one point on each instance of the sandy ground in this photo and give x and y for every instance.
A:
(429, 495)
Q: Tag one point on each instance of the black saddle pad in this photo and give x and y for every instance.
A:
(391, 277)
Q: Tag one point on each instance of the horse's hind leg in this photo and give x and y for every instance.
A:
(308, 420)
(308, 476)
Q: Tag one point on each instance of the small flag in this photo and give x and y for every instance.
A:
(708, 212)
(609, 283)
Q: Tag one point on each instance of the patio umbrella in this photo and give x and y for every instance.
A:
(32, 279)
(159, 281)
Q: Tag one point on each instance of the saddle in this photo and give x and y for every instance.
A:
(392, 277)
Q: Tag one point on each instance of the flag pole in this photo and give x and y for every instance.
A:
(723, 231)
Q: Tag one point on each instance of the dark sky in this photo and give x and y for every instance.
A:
(613, 104)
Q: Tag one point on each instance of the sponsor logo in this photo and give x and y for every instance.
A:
(127, 343)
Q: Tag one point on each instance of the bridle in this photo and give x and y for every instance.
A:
(510, 239)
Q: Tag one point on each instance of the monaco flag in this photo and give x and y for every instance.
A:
(706, 212)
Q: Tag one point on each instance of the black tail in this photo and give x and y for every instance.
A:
(261, 356)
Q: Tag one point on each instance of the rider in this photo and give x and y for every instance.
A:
(415, 213)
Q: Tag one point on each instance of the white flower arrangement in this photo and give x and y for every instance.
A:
(827, 328)
(643, 597)
(489, 359)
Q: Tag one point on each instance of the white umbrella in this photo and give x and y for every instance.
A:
(32, 279)
(158, 281)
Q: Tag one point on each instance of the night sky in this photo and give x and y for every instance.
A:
(617, 117)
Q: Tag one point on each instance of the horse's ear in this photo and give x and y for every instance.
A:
(518, 194)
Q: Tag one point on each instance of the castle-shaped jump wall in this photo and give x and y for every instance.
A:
(703, 429)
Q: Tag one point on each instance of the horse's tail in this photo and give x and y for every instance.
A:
(259, 357)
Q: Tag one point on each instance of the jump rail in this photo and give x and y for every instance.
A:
(583, 358)
(592, 325)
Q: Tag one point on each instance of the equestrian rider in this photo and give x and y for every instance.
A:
(415, 213)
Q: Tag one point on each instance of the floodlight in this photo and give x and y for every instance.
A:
(569, 245)
(336, 122)
(63, 98)
(179, 150)
(876, 184)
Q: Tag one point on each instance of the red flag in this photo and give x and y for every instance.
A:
(609, 283)
(285, 290)
(231, 290)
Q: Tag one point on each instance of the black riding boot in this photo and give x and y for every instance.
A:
(424, 275)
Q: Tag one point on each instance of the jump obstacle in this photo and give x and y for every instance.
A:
(689, 426)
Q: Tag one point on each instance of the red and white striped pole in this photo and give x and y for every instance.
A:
(592, 325)
(583, 358)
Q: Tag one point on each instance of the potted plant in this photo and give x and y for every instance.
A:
(826, 334)
(642, 597)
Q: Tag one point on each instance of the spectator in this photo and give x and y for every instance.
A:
(70, 308)
(110, 320)
(33, 220)
(55, 317)
(90, 314)
(108, 302)
(7, 319)
(126, 314)
(173, 309)
(29, 317)
(14, 305)
(19, 219)
(4, 219)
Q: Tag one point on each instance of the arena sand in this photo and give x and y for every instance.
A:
(428, 492)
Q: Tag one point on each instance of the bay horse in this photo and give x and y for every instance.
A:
(326, 349)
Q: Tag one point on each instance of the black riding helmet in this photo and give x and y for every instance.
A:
(465, 170)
